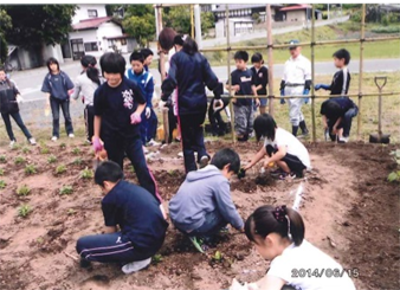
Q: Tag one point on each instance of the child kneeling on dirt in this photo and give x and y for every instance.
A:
(203, 204)
(138, 216)
(281, 148)
(278, 235)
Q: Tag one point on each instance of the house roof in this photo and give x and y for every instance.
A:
(91, 23)
(222, 7)
(296, 7)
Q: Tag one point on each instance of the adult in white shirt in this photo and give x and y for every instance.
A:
(296, 81)
(280, 147)
(278, 235)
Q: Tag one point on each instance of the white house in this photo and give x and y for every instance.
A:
(93, 32)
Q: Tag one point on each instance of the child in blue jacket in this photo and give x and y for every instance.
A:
(145, 81)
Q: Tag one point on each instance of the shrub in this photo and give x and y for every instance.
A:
(78, 161)
(3, 159)
(63, 145)
(3, 184)
(23, 190)
(76, 151)
(26, 150)
(44, 150)
(24, 210)
(30, 169)
(66, 190)
(87, 173)
(1, 171)
(52, 159)
(61, 169)
(19, 160)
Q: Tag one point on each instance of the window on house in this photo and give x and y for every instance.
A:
(123, 41)
(91, 46)
(92, 13)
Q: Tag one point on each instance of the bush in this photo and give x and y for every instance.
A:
(30, 169)
(52, 159)
(24, 210)
(386, 29)
(3, 159)
(19, 160)
(61, 169)
(66, 190)
(3, 184)
(1, 171)
(23, 190)
(87, 173)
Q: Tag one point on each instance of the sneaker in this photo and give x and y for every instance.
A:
(198, 244)
(135, 266)
(145, 150)
(343, 139)
(71, 135)
(287, 176)
(204, 161)
(224, 230)
(12, 143)
(32, 141)
(54, 138)
(153, 143)
(277, 172)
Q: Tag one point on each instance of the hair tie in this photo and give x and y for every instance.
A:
(281, 215)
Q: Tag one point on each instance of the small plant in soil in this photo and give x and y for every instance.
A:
(3, 159)
(3, 184)
(157, 259)
(26, 150)
(76, 151)
(1, 171)
(61, 169)
(66, 190)
(15, 147)
(71, 211)
(44, 150)
(52, 159)
(394, 176)
(24, 190)
(24, 210)
(40, 241)
(19, 160)
(171, 172)
(78, 161)
(30, 169)
(63, 145)
(87, 173)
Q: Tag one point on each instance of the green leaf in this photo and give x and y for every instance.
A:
(393, 177)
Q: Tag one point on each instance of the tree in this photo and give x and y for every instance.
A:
(33, 25)
(5, 24)
(141, 28)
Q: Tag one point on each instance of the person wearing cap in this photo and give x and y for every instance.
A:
(296, 81)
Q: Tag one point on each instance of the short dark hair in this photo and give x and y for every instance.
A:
(268, 219)
(146, 52)
(166, 38)
(136, 55)
(241, 55)
(343, 54)
(257, 57)
(112, 62)
(108, 171)
(178, 39)
(50, 61)
(226, 156)
(265, 125)
(333, 109)
(2, 68)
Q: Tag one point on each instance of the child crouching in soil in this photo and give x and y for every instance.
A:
(281, 148)
(203, 204)
(141, 224)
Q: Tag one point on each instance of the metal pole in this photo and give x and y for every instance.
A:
(314, 132)
(228, 45)
(328, 12)
(156, 16)
(361, 71)
(270, 60)
(197, 24)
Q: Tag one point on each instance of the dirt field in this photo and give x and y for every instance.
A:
(350, 210)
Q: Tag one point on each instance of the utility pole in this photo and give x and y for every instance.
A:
(328, 12)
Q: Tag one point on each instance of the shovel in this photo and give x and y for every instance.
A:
(380, 137)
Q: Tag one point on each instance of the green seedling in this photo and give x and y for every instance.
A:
(1, 172)
(44, 150)
(394, 176)
(63, 145)
(87, 173)
(19, 160)
(66, 190)
(15, 147)
(3, 184)
(133, 169)
(217, 256)
(71, 211)
(157, 259)
(76, 151)
(52, 159)
(61, 169)
(30, 169)
(24, 190)
(77, 161)
(3, 159)
(24, 210)
(26, 150)
(40, 240)
(171, 172)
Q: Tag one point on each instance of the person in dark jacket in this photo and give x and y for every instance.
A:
(9, 99)
(58, 87)
(190, 72)
(260, 74)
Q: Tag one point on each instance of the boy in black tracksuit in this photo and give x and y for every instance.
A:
(260, 73)
(340, 86)
(118, 105)
(190, 72)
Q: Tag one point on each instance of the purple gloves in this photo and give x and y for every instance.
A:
(97, 145)
(135, 119)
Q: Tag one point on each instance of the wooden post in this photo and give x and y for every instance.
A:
(228, 44)
(270, 61)
(314, 129)
(360, 74)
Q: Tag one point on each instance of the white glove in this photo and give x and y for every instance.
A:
(147, 112)
(19, 99)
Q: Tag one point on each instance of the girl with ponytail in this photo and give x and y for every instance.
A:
(278, 235)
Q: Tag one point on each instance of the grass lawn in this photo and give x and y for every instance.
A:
(369, 113)
(372, 50)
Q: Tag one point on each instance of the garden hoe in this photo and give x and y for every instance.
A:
(380, 137)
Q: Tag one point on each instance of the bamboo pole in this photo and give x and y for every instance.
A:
(360, 72)
(191, 21)
(228, 43)
(314, 129)
(270, 61)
